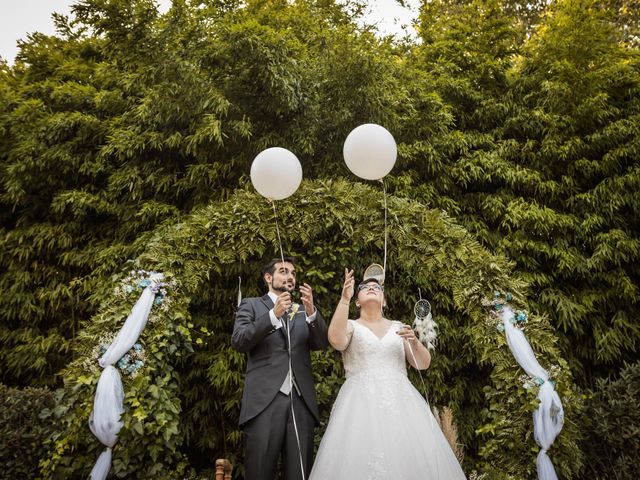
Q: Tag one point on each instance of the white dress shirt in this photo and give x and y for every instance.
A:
(275, 321)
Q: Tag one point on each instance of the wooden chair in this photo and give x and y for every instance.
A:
(223, 469)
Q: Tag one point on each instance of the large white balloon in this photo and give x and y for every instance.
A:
(276, 173)
(370, 151)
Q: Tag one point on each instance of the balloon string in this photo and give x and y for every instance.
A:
(275, 215)
(426, 397)
(424, 385)
(287, 325)
(384, 263)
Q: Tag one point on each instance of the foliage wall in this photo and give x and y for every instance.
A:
(183, 405)
(22, 431)
(543, 161)
(613, 414)
(129, 119)
(518, 119)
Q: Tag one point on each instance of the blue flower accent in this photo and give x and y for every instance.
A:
(500, 327)
(158, 300)
(522, 317)
(144, 283)
(121, 364)
(139, 363)
(509, 297)
(498, 307)
(137, 347)
(538, 380)
(496, 294)
(128, 288)
(131, 368)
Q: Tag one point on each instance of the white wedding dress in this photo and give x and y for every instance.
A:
(380, 427)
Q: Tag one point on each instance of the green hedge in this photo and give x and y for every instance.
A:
(22, 431)
(181, 409)
(613, 415)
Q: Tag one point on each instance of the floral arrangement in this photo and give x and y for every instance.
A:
(138, 280)
(497, 304)
(131, 361)
(129, 364)
(528, 382)
(133, 284)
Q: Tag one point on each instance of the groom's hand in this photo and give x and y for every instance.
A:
(306, 295)
(283, 303)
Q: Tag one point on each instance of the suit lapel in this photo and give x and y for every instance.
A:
(267, 301)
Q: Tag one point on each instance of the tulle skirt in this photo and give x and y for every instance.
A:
(381, 428)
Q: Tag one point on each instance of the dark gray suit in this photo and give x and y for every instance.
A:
(265, 411)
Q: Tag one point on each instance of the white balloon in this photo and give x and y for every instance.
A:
(276, 173)
(370, 151)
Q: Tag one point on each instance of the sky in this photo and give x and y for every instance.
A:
(21, 17)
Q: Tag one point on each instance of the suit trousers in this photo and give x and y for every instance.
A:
(271, 434)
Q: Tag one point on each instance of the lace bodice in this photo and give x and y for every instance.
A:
(367, 353)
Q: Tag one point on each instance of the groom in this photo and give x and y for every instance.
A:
(277, 334)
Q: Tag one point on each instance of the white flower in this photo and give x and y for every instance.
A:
(294, 309)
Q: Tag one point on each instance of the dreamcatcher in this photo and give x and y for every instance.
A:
(425, 327)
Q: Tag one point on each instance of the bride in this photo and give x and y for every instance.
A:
(380, 426)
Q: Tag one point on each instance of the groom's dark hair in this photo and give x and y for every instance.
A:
(270, 267)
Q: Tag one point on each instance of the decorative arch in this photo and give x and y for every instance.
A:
(190, 384)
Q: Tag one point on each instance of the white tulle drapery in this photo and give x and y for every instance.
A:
(108, 406)
(133, 326)
(101, 469)
(548, 419)
(104, 421)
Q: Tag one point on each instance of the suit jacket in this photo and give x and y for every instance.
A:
(268, 356)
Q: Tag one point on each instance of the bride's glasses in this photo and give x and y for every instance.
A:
(374, 286)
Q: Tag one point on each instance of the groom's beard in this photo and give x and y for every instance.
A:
(283, 288)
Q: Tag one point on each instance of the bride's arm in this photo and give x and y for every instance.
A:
(339, 334)
(421, 353)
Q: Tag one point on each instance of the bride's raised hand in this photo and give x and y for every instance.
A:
(347, 286)
(338, 333)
